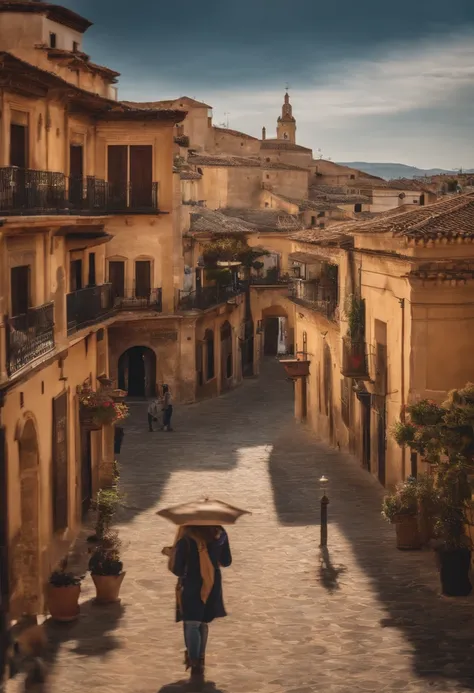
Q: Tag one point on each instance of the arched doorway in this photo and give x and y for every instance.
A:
(137, 372)
(275, 331)
(26, 593)
(227, 356)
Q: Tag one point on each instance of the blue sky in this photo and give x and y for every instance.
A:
(370, 80)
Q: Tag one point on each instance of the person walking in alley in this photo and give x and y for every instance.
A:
(153, 413)
(196, 558)
(167, 408)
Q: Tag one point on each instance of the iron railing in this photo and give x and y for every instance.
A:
(88, 306)
(311, 294)
(208, 296)
(354, 358)
(136, 300)
(136, 199)
(29, 336)
(29, 192)
(271, 279)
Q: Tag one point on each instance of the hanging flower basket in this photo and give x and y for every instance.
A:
(98, 409)
(295, 368)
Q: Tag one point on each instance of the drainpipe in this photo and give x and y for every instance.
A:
(402, 388)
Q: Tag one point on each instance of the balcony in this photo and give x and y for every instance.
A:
(312, 294)
(139, 300)
(88, 306)
(29, 336)
(132, 199)
(29, 192)
(272, 278)
(354, 359)
(207, 297)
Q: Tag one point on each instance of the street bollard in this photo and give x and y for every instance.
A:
(324, 512)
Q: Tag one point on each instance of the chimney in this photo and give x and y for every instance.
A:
(264, 133)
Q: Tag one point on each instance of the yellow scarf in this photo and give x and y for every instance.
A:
(205, 564)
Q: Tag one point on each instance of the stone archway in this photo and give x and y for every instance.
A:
(275, 331)
(26, 564)
(137, 372)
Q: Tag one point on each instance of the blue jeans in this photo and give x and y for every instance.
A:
(195, 638)
(167, 414)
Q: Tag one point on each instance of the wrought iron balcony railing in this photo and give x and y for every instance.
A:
(271, 279)
(139, 300)
(29, 336)
(208, 296)
(88, 306)
(132, 198)
(354, 358)
(29, 192)
(312, 295)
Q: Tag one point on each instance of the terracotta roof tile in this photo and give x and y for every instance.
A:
(267, 219)
(235, 133)
(215, 222)
(230, 160)
(283, 146)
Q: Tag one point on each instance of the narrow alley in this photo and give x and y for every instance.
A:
(361, 617)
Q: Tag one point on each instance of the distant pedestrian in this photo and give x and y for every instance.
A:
(167, 408)
(153, 413)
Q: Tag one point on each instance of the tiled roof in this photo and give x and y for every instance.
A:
(267, 219)
(305, 205)
(165, 104)
(336, 195)
(56, 13)
(235, 133)
(190, 175)
(215, 222)
(283, 145)
(332, 236)
(244, 161)
(452, 218)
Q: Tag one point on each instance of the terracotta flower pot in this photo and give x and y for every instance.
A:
(408, 535)
(63, 602)
(107, 588)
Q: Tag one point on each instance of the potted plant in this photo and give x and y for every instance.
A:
(444, 436)
(106, 568)
(64, 589)
(401, 509)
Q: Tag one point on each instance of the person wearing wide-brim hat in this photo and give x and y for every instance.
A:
(196, 559)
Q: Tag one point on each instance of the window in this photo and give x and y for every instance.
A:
(117, 278)
(75, 47)
(267, 204)
(321, 214)
(52, 40)
(358, 207)
(20, 289)
(19, 145)
(352, 177)
(321, 224)
(75, 278)
(313, 221)
(130, 175)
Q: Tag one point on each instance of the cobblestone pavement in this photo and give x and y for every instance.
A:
(362, 617)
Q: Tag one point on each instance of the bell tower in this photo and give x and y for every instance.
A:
(286, 124)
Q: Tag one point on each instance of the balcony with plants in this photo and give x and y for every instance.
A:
(319, 293)
(354, 348)
(88, 306)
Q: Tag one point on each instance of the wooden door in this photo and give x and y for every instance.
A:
(60, 463)
(117, 158)
(142, 278)
(18, 145)
(20, 289)
(117, 277)
(141, 176)
(76, 275)
(86, 471)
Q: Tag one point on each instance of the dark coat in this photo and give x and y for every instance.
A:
(186, 567)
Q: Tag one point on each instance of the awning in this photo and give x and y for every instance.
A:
(304, 258)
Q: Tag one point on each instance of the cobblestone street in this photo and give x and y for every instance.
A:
(362, 617)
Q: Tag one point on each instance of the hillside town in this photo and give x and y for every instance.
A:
(307, 325)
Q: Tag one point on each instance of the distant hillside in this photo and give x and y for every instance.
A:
(389, 171)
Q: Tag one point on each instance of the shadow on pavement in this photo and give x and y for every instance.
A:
(187, 687)
(437, 630)
(329, 573)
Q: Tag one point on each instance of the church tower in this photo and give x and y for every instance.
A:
(286, 124)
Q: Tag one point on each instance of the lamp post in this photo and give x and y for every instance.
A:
(323, 482)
